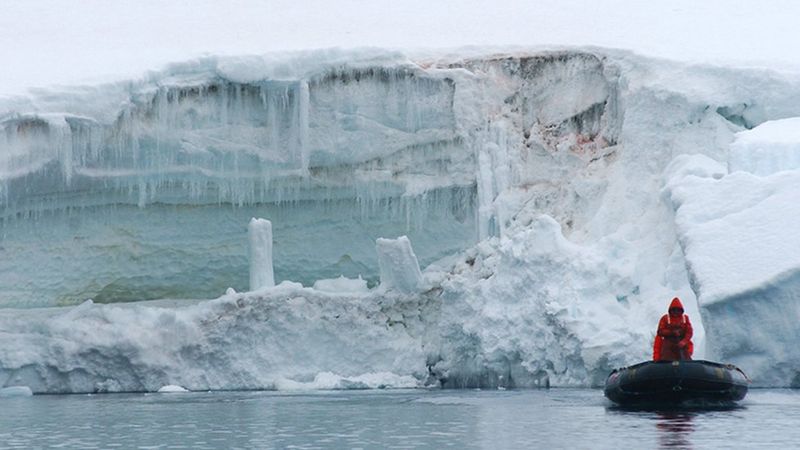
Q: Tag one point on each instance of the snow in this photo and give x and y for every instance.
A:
(556, 201)
(738, 231)
(342, 285)
(261, 274)
(398, 264)
(771, 147)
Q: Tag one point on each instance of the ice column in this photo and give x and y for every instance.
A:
(260, 233)
(398, 264)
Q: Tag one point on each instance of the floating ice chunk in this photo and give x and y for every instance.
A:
(230, 291)
(398, 264)
(261, 274)
(342, 284)
(172, 388)
(768, 148)
(16, 391)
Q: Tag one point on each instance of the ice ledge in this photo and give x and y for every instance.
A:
(260, 340)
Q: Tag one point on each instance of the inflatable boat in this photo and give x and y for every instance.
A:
(675, 382)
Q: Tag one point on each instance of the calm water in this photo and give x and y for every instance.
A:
(557, 418)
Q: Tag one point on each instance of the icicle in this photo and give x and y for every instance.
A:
(302, 122)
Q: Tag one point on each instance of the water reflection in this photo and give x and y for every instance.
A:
(674, 428)
(677, 426)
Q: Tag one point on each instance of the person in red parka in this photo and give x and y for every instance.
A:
(674, 336)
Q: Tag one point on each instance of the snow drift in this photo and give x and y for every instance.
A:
(555, 200)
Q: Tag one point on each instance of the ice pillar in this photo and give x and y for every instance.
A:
(260, 234)
(398, 264)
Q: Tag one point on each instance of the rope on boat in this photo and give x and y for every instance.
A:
(732, 367)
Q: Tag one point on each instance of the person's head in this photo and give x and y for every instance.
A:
(675, 307)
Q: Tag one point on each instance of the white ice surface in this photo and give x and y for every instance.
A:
(341, 285)
(771, 147)
(738, 231)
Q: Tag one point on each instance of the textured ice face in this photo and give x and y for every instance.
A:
(148, 200)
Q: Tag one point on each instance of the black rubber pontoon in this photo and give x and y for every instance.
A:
(676, 382)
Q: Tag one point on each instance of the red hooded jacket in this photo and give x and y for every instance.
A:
(674, 336)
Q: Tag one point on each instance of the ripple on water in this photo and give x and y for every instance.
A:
(390, 419)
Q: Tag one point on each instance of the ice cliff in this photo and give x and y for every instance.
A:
(555, 200)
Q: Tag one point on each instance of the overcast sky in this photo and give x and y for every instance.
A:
(46, 42)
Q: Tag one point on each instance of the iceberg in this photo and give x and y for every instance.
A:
(556, 201)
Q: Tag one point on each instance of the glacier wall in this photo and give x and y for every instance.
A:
(545, 195)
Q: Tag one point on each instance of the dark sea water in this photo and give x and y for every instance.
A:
(555, 418)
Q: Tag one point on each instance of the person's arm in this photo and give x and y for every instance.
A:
(687, 335)
(657, 348)
(664, 328)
